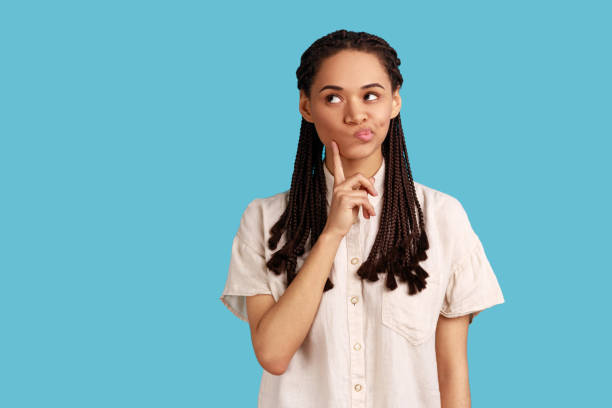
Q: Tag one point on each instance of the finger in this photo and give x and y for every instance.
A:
(367, 209)
(357, 194)
(370, 208)
(365, 212)
(360, 198)
(338, 171)
(359, 180)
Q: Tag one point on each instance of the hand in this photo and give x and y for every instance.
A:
(347, 197)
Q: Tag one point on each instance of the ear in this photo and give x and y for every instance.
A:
(305, 107)
(397, 103)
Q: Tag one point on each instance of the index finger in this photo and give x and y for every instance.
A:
(338, 171)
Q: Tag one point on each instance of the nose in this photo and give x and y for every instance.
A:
(355, 112)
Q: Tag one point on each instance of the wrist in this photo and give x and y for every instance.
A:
(330, 237)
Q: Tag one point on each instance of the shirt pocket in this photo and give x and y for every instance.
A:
(413, 317)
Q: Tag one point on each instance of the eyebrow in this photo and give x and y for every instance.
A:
(336, 87)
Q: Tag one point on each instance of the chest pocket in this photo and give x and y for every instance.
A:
(413, 317)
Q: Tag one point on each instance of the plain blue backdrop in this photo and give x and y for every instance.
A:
(134, 134)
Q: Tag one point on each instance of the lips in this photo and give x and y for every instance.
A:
(364, 134)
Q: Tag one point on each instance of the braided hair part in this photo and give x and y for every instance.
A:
(401, 242)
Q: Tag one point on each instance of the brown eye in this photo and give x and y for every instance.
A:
(372, 93)
(330, 96)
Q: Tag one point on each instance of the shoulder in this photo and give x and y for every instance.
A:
(260, 215)
(446, 221)
(444, 214)
(265, 207)
(436, 203)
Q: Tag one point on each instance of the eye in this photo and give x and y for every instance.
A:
(327, 98)
(330, 95)
(372, 93)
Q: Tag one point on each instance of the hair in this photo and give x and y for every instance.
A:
(401, 240)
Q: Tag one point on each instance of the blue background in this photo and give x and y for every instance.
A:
(134, 134)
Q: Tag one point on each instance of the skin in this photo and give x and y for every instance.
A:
(451, 357)
(337, 114)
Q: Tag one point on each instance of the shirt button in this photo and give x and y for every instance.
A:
(354, 299)
(357, 387)
(357, 346)
(355, 261)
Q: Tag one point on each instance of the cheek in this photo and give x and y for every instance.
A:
(383, 124)
(329, 125)
(322, 116)
(382, 116)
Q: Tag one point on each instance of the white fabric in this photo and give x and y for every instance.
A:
(380, 351)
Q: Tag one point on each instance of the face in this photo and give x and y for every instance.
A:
(351, 91)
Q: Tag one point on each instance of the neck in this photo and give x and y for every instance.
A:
(368, 166)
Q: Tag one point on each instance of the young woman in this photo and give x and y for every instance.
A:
(358, 282)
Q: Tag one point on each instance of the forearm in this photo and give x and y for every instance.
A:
(282, 330)
(454, 390)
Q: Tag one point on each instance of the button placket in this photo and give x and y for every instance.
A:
(355, 316)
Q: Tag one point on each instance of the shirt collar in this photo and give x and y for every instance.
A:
(379, 183)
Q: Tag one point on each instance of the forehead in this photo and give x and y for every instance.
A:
(351, 69)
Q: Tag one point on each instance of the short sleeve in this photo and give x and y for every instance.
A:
(472, 285)
(248, 274)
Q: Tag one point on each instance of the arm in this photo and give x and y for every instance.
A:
(279, 329)
(451, 356)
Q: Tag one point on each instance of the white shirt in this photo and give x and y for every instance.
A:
(368, 346)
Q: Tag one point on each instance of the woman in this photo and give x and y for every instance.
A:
(327, 331)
